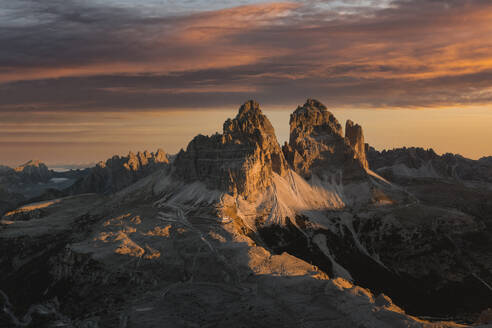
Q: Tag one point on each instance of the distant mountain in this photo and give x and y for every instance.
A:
(14, 182)
(120, 172)
(239, 231)
(34, 171)
(30, 181)
(425, 163)
(30, 172)
(33, 181)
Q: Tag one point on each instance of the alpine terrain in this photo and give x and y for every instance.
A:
(237, 230)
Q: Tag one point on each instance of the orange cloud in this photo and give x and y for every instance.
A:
(416, 50)
(197, 41)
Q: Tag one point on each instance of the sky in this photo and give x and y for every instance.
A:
(83, 80)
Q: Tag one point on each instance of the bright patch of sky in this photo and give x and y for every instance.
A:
(173, 7)
(348, 6)
(30, 13)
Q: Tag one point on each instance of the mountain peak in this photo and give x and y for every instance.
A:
(250, 106)
(242, 160)
(250, 125)
(30, 163)
(317, 144)
(161, 156)
(34, 170)
(313, 115)
(314, 104)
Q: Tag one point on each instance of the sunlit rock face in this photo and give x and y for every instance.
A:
(317, 145)
(355, 138)
(241, 160)
(33, 171)
(120, 172)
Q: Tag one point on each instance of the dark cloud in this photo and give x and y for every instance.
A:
(79, 56)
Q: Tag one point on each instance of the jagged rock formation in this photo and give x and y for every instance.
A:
(34, 171)
(317, 146)
(416, 162)
(313, 130)
(241, 160)
(120, 172)
(355, 138)
(31, 172)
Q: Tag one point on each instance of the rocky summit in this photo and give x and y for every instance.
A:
(241, 160)
(317, 145)
(236, 231)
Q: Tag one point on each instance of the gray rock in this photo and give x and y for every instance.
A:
(241, 160)
(120, 172)
(416, 162)
(317, 146)
(34, 171)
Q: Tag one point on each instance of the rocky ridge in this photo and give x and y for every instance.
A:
(120, 172)
(34, 171)
(416, 162)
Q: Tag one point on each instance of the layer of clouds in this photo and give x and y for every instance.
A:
(95, 56)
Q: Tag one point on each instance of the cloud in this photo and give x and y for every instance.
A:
(92, 56)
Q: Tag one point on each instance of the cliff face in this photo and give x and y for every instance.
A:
(241, 160)
(120, 172)
(355, 138)
(317, 145)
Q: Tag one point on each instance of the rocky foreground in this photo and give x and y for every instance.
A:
(238, 231)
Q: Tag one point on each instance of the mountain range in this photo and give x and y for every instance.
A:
(237, 230)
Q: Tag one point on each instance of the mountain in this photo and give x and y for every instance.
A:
(407, 163)
(241, 161)
(120, 172)
(30, 181)
(239, 231)
(34, 171)
(31, 172)
(317, 145)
